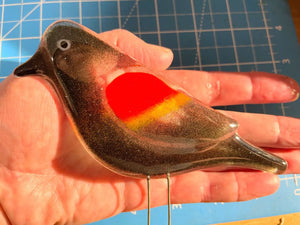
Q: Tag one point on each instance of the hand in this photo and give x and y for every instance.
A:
(46, 177)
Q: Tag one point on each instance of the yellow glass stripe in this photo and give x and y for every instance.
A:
(158, 111)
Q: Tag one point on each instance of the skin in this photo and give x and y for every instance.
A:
(46, 177)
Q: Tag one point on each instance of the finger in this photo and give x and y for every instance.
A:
(268, 130)
(223, 187)
(153, 56)
(228, 88)
(205, 187)
(292, 156)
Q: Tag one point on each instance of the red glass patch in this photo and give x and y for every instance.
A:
(132, 93)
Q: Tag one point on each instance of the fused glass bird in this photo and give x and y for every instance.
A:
(134, 121)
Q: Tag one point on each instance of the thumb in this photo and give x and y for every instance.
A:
(153, 56)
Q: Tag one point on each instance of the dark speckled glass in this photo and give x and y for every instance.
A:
(176, 134)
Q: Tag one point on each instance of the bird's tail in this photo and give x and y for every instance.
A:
(240, 153)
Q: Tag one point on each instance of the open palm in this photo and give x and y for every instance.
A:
(46, 177)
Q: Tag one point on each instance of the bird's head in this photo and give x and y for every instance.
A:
(72, 49)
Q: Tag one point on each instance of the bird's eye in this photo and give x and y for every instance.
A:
(63, 44)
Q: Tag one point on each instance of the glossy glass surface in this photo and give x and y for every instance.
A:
(132, 120)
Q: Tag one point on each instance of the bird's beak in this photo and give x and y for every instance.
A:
(39, 64)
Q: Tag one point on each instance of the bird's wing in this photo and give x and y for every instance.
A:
(148, 106)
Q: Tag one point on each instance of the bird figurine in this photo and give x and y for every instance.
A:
(134, 121)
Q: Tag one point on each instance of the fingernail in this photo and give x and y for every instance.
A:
(295, 95)
(294, 89)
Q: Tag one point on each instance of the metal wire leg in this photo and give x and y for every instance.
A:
(169, 199)
(148, 193)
